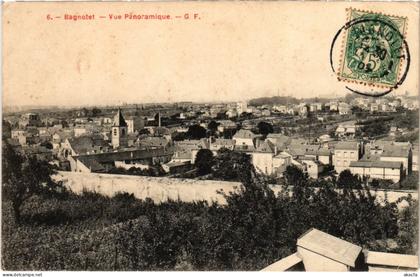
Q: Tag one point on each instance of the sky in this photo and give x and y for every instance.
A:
(235, 51)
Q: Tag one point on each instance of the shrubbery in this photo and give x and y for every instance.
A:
(254, 229)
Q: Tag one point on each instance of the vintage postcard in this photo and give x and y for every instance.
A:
(210, 136)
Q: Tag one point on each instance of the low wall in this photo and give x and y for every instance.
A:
(160, 189)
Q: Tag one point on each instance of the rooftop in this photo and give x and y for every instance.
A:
(244, 134)
(265, 147)
(375, 163)
(344, 145)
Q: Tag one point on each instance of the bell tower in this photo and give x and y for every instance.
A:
(119, 131)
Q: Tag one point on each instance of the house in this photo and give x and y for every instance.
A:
(265, 112)
(101, 162)
(39, 152)
(187, 150)
(389, 151)
(262, 157)
(302, 109)
(225, 125)
(314, 107)
(398, 153)
(130, 164)
(245, 139)
(174, 167)
(84, 145)
(152, 142)
(374, 107)
(333, 106)
(183, 155)
(134, 123)
(30, 119)
(279, 140)
(80, 131)
(280, 109)
(311, 166)
(321, 154)
(324, 139)
(241, 107)
(384, 107)
(344, 153)
(394, 131)
(24, 137)
(85, 164)
(231, 113)
(15, 134)
(376, 169)
(280, 162)
(346, 129)
(217, 144)
(344, 108)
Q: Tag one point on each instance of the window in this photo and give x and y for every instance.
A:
(115, 131)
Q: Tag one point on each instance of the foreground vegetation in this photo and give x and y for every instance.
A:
(63, 231)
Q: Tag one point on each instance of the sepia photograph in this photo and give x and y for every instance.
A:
(269, 136)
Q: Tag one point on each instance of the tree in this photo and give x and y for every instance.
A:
(204, 161)
(178, 136)
(228, 164)
(47, 144)
(64, 123)
(96, 112)
(265, 128)
(375, 128)
(213, 127)
(196, 132)
(347, 180)
(144, 131)
(24, 177)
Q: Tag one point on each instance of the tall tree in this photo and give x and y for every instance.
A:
(24, 177)
(204, 161)
(265, 128)
(196, 132)
(213, 127)
(347, 180)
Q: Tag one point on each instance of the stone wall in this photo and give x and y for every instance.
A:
(160, 189)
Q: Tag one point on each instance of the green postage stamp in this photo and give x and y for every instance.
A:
(373, 48)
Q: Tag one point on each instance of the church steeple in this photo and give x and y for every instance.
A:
(119, 131)
(119, 120)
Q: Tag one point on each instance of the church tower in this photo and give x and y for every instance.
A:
(119, 131)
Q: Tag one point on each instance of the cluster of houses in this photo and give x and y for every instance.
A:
(383, 104)
(103, 143)
(271, 155)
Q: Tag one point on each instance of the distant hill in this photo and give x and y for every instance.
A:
(275, 100)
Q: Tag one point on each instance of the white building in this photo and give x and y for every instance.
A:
(378, 169)
(344, 153)
(241, 107)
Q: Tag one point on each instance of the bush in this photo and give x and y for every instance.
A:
(255, 228)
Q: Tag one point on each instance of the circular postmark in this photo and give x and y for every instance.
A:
(375, 58)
